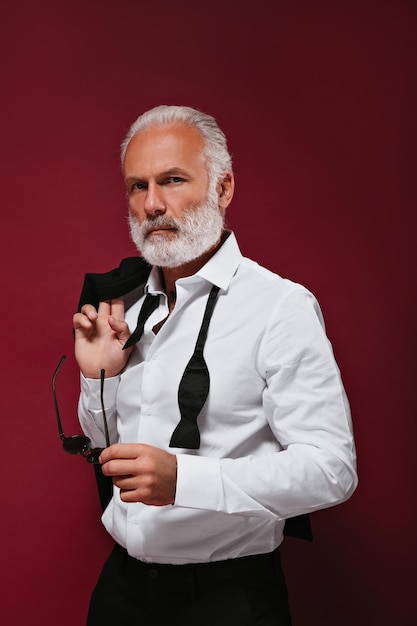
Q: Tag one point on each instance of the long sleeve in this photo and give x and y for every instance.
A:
(90, 411)
(314, 465)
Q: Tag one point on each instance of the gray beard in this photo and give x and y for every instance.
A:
(198, 231)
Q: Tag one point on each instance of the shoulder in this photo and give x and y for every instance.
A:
(262, 282)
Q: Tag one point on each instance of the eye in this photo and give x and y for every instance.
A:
(137, 186)
(175, 180)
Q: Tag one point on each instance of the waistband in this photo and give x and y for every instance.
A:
(254, 565)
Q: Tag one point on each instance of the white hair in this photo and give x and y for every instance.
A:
(215, 151)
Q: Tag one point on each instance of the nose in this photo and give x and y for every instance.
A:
(154, 201)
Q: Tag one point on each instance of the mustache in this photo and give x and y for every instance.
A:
(158, 221)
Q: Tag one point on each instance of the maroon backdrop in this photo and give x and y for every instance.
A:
(318, 101)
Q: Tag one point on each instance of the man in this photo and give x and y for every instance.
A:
(199, 505)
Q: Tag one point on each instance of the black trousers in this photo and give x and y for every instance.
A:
(248, 591)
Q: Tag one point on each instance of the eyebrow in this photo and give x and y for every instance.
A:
(173, 171)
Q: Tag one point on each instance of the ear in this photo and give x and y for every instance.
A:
(225, 190)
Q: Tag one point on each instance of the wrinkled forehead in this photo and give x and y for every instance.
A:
(168, 146)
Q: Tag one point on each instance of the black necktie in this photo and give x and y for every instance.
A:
(194, 386)
(195, 382)
(150, 304)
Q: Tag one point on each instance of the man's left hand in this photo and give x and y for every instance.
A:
(142, 472)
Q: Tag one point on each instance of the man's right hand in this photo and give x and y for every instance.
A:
(99, 339)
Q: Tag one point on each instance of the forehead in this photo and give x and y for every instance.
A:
(161, 148)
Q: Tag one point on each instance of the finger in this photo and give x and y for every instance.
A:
(81, 321)
(120, 328)
(89, 310)
(119, 468)
(121, 451)
(130, 495)
(118, 308)
(125, 483)
(104, 308)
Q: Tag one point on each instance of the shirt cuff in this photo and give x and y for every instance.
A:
(91, 388)
(199, 483)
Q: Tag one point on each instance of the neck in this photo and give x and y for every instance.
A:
(171, 274)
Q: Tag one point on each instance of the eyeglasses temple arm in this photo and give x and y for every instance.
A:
(58, 417)
(106, 429)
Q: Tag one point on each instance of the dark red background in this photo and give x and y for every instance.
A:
(318, 101)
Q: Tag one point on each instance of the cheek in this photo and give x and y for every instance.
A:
(137, 211)
(185, 201)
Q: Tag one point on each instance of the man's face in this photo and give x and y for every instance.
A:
(174, 218)
(165, 173)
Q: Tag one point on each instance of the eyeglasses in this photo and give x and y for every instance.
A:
(80, 444)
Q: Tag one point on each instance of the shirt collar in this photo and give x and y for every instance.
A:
(219, 269)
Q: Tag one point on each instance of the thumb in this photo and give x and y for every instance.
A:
(120, 327)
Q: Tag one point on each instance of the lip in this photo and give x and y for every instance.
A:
(160, 229)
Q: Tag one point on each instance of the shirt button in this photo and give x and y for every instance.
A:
(153, 573)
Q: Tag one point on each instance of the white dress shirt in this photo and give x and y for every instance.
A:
(276, 433)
